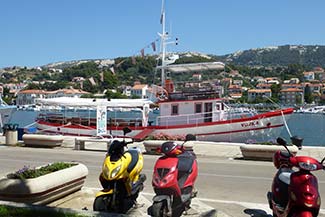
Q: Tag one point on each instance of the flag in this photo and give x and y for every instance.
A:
(153, 45)
(101, 76)
(112, 70)
(133, 60)
(142, 52)
(92, 81)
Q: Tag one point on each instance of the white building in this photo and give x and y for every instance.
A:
(258, 93)
(27, 97)
(139, 90)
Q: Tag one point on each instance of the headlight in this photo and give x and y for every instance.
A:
(307, 166)
(105, 172)
(115, 171)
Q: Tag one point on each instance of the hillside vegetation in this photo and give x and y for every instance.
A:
(284, 62)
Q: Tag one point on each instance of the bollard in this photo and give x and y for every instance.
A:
(11, 137)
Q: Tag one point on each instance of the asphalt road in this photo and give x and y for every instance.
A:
(236, 187)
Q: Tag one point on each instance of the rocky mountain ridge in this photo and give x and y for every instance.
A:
(308, 55)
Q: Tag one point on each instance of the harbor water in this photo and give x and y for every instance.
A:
(311, 127)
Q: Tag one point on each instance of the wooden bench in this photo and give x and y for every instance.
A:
(81, 141)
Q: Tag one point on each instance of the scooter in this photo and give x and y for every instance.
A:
(294, 192)
(120, 178)
(173, 179)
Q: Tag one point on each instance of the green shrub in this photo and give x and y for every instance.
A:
(11, 211)
(27, 173)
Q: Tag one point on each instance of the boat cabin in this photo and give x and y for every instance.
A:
(191, 108)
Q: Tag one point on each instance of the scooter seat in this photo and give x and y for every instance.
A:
(185, 163)
(285, 177)
(134, 159)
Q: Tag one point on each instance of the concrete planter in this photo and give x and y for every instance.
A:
(42, 140)
(44, 189)
(152, 145)
(263, 152)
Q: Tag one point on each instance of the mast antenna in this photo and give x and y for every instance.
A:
(164, 41)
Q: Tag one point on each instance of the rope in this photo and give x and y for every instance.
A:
(285, 124)
(29, 125)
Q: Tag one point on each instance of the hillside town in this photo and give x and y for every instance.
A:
(258, 89)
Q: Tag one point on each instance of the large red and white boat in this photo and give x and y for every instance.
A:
(205, 116)
(200, 112)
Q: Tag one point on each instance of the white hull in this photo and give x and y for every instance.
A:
(257, 128)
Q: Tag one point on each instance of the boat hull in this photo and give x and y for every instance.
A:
(261, 127)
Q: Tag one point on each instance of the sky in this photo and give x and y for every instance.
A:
(38, 32)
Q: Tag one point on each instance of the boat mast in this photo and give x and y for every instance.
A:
(164, 41)
(163, 38)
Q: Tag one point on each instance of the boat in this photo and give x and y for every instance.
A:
(311, 110)
(202, 112)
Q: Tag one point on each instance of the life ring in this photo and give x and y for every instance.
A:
(162, 95)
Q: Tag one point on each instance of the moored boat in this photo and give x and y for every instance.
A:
(207, 117)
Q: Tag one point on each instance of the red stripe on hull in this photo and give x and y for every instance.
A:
(183, 127)
(240, 131)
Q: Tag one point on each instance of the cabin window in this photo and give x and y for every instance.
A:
(198, 108)
(174, 110)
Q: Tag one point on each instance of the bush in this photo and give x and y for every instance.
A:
(11, 211)
(162, 136)
(27, 173)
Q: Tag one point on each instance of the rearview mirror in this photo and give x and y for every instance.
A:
(297, 141)
(190, 137)
(281, 141)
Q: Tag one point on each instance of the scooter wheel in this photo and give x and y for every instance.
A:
(101, 203)
(159, 209)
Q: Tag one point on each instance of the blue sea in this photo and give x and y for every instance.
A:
(311, 127)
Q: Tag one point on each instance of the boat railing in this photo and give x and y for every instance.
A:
(197, 118)
(181, 119)
(89, 121)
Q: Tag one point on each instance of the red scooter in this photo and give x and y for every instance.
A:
(294, 192)
(173, 180)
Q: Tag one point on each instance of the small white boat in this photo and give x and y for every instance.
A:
(311, 110)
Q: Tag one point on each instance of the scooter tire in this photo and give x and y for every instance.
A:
(101, 204)
(159, 209)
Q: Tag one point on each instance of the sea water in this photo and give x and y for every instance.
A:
(311, 127)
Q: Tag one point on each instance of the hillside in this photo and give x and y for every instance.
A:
(308, 55)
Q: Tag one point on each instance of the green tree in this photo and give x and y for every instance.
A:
(275, 88)
(308, 94)
(87, 86)
(33, 86)
(115, 95)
